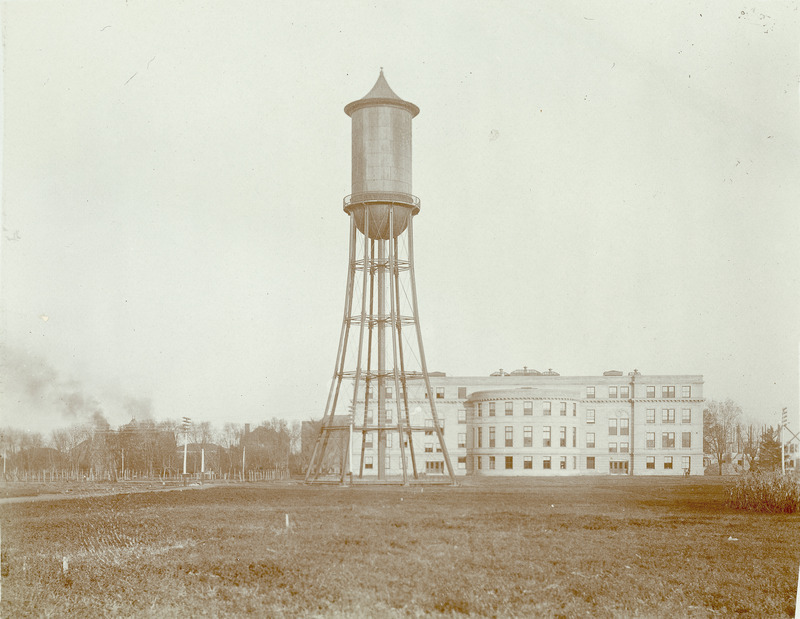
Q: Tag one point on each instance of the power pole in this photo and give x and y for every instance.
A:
(784, 421)
(185, 423)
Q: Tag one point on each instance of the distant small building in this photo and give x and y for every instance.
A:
(791, 456)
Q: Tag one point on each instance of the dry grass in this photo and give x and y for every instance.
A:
(765, 492)
(605, 547)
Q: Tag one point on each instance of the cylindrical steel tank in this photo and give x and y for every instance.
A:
(381, 152)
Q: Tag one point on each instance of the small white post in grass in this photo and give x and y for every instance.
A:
(287, 521)
(64, 565)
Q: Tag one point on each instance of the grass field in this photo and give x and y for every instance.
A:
(600, 547)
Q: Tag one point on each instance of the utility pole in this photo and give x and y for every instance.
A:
(185, 423)
(784, 421)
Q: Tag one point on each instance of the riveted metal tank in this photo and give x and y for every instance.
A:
(381, 162)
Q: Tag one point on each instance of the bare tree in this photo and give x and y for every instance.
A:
(720, 421)
(750, 443)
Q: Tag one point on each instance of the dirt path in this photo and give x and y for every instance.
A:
(82, 494)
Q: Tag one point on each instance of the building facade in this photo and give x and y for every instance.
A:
(542, 424)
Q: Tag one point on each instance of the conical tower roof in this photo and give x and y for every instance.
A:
(380, 94)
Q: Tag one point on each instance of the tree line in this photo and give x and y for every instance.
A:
(151, 449)
(736, 445)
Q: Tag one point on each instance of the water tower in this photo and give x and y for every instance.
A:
(380, 398)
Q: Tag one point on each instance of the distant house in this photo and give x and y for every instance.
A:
(791, 456)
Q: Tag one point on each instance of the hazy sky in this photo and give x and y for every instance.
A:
(603, 185)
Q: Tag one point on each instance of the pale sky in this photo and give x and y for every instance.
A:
(603, 186)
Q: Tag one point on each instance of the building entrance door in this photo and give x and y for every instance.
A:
(618, 468)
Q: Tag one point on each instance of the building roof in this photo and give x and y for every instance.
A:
(380, 94)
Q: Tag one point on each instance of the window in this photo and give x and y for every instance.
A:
(686, 391)
(562, 463)
(562, 409)
(651, 462)
(527, 408)
(589, 415)
(439, 448)
(612, 448)
(686, 463)
(686, 415)
(667, 440)
(686, 439)
(509, 436)
(589, 392)
(462, 462)
(651, 393)
(574, 437)
(651, 440)
(590, 462)
(367, 462)
(527, 462)
(368, 440)
(667, 462)
(428, 448)
(462, 393)
(546, 462)
(562, 436)
(509, 462)
(480, 437)
(491, 437)
(440, 393)
(370, 418)
(527, 436)
(667, 391)
(462, 440)
(462, 416)
(667, 415)
(546, 436)
(623, 426)
(590, 440)
(388, 392)
(480, 462)
(491, 462)
(623, 448)
(651, 415)
(509, 409)
(546, 408)
(480, 409)
(624, 392)
(612, 392)
(390, 439)
(612, 427)
(389, 416)
(491, 409)
(574, 409)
